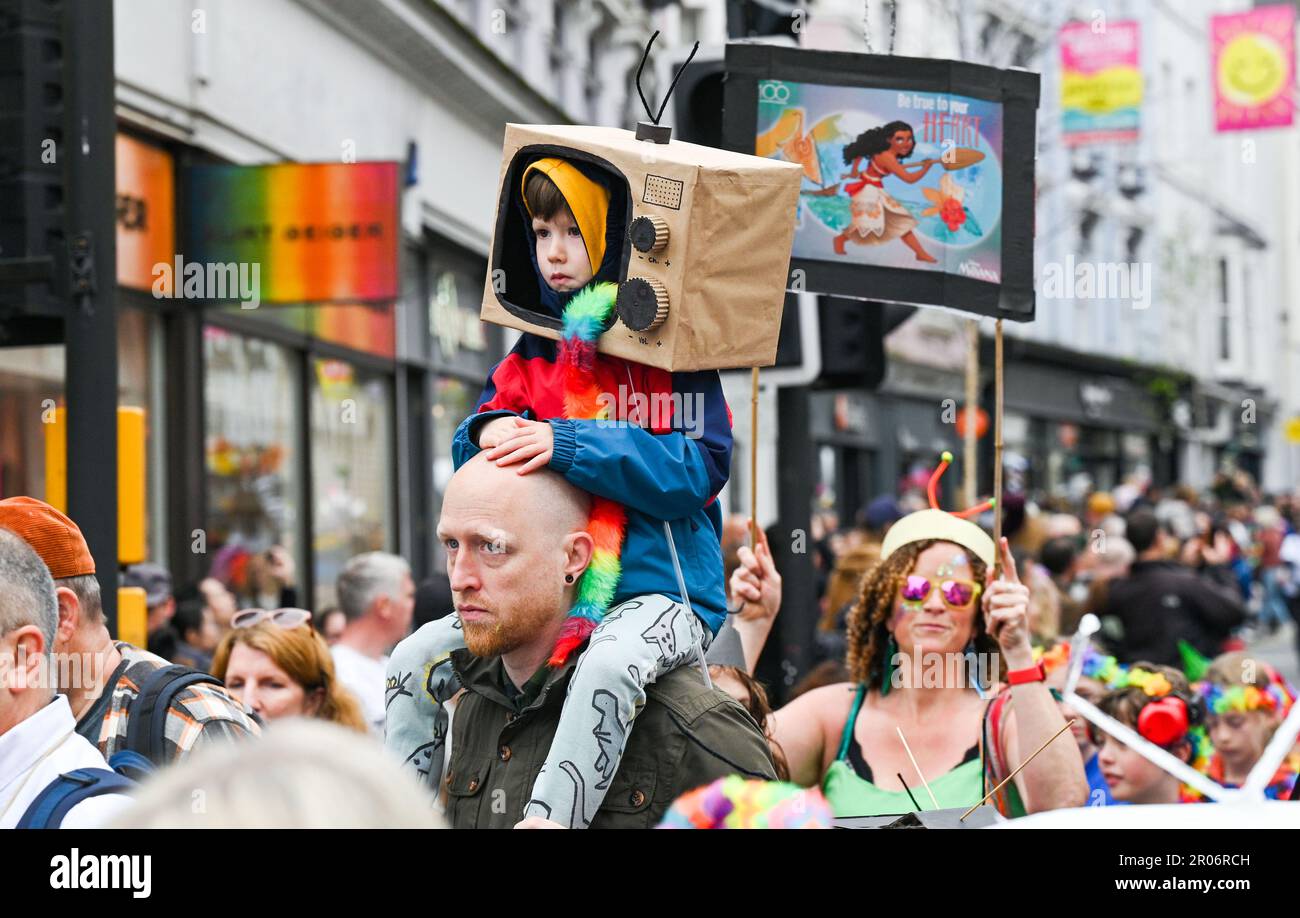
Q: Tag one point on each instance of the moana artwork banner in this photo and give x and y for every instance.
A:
(897, 178)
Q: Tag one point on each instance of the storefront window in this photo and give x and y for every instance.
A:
(371, 328)
(252, 460)
(31, 385)
(352, 469)
(139, 386)
(453, 401)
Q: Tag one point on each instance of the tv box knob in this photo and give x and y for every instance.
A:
(642, 304)
(648, 234)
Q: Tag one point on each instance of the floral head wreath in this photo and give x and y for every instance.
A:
(1277, 696)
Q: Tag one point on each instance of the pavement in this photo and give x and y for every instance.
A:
(1279, 650)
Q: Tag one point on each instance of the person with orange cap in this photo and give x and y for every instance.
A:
(106, 678)
(49, 776)
(662, 469)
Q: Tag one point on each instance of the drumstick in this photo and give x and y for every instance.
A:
(1017, 771)
(909, 791)
(924, 783)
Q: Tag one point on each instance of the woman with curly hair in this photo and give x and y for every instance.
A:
(929, 639)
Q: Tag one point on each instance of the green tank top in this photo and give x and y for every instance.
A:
(850, 794)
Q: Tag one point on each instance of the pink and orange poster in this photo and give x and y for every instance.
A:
(1253, 62)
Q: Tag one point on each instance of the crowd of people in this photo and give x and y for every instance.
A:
(1179, 583)
(589, 658)
(884, 724)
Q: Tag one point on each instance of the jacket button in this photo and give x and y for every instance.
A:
(505, 753)
(636, 798)
(473, 785)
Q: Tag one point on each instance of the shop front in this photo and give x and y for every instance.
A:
(326, 425)
(1067, 431)
(316, 414)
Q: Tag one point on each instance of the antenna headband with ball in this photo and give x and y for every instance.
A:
(934, 523)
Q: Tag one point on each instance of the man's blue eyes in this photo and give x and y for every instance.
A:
(492, 547)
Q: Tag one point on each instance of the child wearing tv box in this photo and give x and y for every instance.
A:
(670, 470)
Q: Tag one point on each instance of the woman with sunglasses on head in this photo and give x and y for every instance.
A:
(932, 593)
(276, 664)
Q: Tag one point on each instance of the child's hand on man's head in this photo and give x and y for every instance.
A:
(529, 442)
(494, 431)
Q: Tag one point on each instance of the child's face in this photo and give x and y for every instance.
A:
(1132, 778)
(1239, 737)
(561, 254)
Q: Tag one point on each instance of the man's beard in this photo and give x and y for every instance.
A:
(508, 630)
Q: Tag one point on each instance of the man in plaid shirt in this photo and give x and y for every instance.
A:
(102, 677)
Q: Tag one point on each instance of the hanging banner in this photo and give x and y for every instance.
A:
(296, 232)
(917, 175)
(146, 206)
(1101, 83)
(1253, 62)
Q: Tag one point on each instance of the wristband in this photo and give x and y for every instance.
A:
(1034, 673)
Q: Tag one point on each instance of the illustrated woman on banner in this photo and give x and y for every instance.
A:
(877, 217)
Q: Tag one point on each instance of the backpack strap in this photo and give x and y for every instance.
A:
(146, 724)
(132, 764)
(51, 805)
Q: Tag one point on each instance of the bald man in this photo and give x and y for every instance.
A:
(516, 548)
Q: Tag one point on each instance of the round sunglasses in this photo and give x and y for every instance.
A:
(956, 594)
(284, 618)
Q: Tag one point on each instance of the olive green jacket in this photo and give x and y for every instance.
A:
(686, 735)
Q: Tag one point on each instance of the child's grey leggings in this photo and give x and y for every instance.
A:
(636, 642)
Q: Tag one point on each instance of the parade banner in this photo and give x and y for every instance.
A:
(316, 232)
(917, 175)
(1101, 83)
(942, 212)
(1253, 62)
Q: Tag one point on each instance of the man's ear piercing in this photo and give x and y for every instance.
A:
(568, 578)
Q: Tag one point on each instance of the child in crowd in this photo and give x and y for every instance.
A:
(1097, 671)
(1133, 779)
(1245, 700)
(665, 472)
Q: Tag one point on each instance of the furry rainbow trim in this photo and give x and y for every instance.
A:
(582, 323)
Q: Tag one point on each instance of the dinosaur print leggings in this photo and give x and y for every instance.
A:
(636, 642)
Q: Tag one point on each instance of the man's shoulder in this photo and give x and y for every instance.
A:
(682, 692)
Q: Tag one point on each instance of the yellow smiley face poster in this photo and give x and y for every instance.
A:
(1253, 66)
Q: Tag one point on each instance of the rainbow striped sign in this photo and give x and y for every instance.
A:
(320, 232)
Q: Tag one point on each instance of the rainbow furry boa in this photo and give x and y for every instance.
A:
(584, 318)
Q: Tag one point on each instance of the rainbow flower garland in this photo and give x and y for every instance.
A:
(1096, 666)
(584, 318)
(1222, 699)
(739, 803)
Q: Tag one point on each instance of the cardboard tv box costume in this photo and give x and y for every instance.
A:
(705, 256)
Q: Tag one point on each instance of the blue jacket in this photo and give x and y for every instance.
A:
(671, 469)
